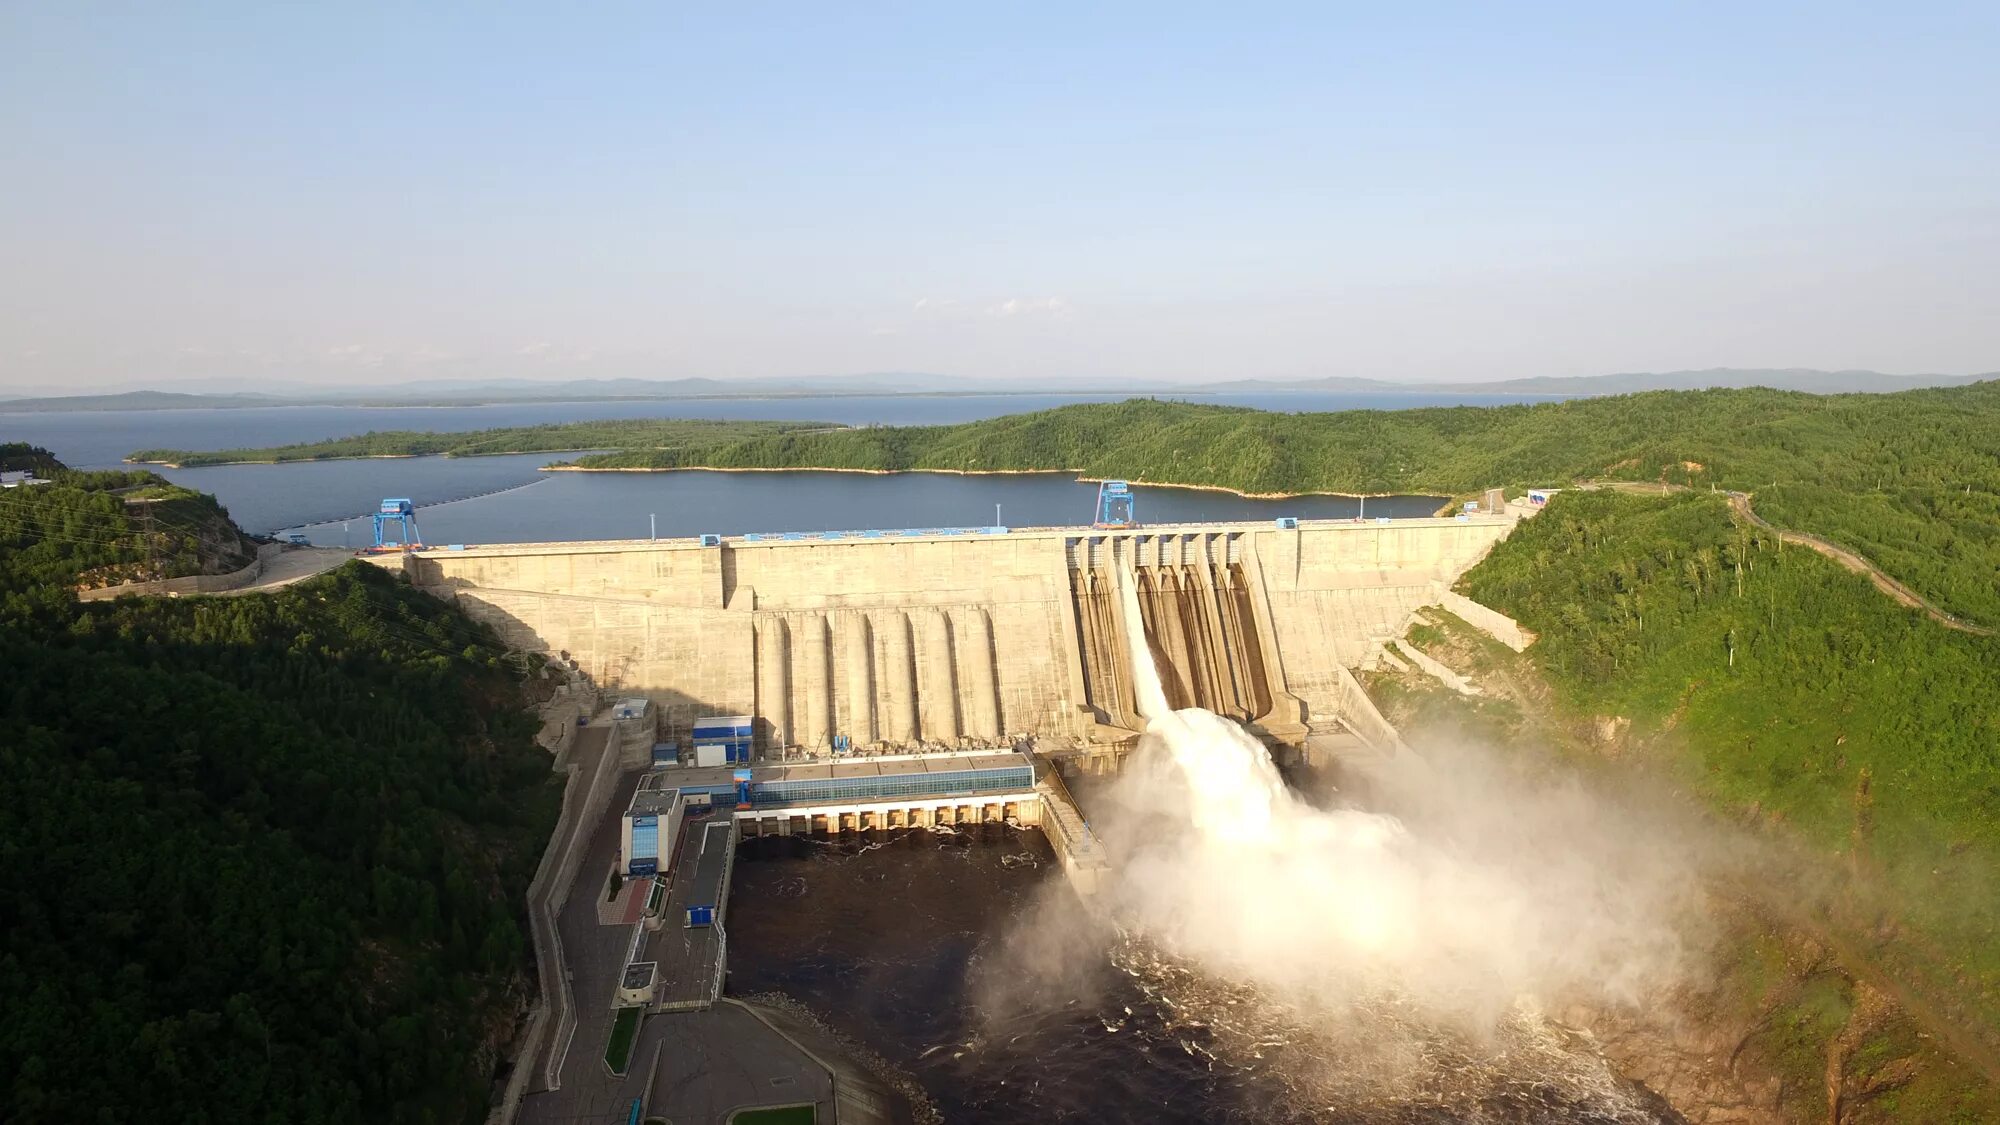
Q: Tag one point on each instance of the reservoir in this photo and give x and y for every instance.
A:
(569, 506)
(317, 496)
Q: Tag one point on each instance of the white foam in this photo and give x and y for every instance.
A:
(1482, 914)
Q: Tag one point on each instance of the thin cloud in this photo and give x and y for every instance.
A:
(1054, 307)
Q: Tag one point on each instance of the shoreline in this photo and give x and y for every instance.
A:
(8, 409)
(574, 468)
(1072, 474)
(366, 457)
(300, 460)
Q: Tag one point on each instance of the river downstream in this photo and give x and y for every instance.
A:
(935, 950)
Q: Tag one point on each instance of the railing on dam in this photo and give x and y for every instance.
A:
(958, 783)
(801, 538)
(1069, 834)
(898, 533)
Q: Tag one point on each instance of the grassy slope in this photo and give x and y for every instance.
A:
(1780, 1001)
(1860, 728)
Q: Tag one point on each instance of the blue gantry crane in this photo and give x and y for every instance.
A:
(1116, 506)
(399, 513)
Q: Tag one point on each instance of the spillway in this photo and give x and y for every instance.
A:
(1107, 672)
(1203, 633)
(1199, 620)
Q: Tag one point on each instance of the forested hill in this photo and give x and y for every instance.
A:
(264, 854)
(555, 437)
(1912, 480)
(99, 529)
(1794, 696)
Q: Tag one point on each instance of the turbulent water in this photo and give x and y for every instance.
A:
(1255, 958)
(914, 945)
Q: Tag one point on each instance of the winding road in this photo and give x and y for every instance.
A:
(1740, 503)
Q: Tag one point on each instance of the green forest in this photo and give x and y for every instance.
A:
(1789, 692)
(559, 437)
(1911, 480)
(100, 528)
(264, 855)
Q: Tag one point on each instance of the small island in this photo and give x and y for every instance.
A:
(565, 437)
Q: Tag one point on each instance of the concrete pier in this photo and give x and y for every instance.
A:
(937, 692)
(898, 700)
(982, 710)
(815, 652)
(857, 719)
(774, 681)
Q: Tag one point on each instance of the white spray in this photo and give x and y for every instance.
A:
(1510, 897)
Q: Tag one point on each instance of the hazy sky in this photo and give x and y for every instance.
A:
(342, 192)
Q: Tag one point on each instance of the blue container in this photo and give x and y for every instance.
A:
(734, 733)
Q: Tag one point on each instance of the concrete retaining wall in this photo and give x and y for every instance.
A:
(552, 1015)
(192, 584)
(1336, 588)
(1492, 622)
(1436, 668)
(1362, 717)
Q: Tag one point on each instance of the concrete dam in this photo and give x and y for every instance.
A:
(976, 636)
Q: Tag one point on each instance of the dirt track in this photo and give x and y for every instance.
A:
(1740, 501)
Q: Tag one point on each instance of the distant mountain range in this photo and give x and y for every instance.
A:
(466, 392)
(1805, 379)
